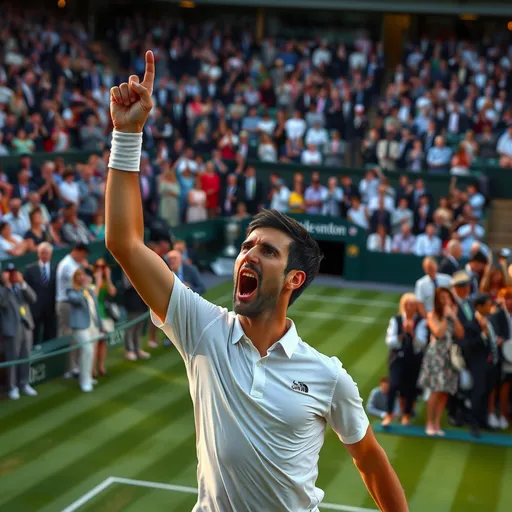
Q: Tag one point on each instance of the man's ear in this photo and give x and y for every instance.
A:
(295, 279)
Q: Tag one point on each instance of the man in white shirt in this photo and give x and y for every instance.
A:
(469, 234)
(280, 197)
(295, 127)
(425, 287)
(65, 270)
(16, 218)
(428, 244)
(358, 213)
(317, 135)
(262, 397)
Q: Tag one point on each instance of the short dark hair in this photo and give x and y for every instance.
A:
(34, 212)
(304, 253)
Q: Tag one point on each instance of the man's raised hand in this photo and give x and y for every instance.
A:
(131, 103)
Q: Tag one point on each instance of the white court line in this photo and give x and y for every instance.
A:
(178, 488)
(322, 314)
(90, 495)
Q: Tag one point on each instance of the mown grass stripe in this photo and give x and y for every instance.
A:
(441, 477)
(38, 433)
(72, 459)
(505, 495)
(479, 489)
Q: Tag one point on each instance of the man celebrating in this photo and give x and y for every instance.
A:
(262, 397)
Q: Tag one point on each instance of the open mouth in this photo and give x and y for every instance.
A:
(247, 284)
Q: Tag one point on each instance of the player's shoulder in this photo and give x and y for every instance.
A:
(330, 366)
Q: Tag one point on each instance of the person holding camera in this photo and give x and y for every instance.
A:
(17, 326)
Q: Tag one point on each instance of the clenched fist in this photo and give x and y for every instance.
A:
(130, 103)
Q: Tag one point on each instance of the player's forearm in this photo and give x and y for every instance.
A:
(123, 207)
(383, 484)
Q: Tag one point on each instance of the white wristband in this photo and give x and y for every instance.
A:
(125, 151)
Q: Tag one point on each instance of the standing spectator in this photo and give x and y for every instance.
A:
(135, 307)
(315, 196)
(74, 230)
(253, 191)
(437, 375)
(425, 287)
(187, 274)
(333, 202)
(11, 245)
(196, 210)
(470, 233)
(406, 337)
(450, 263)
(169, 191)
(211, 184)
(428, 244)
(279, 196)
(97, 226)
(388, 150)
(104, 290)
(17, 328)
(401, 215)
(41, 277)
(86, 325)
(75, 260)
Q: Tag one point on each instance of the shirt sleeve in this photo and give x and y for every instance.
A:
(392, 334)
(346, 414)
(188, 317)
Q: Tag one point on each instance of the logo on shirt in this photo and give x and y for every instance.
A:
(300, 386)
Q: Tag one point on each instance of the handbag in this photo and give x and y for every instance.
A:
(113, 310)
(456, 357)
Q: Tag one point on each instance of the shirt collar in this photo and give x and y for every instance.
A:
(288, 342)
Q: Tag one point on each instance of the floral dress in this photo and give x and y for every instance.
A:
(437, 373)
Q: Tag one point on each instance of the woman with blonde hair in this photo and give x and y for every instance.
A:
(169, 190)
(406, 338)
(438, 376)
(86, 323)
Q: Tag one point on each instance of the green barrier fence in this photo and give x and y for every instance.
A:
(48, 361)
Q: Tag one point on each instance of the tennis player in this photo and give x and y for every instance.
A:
(262, 397)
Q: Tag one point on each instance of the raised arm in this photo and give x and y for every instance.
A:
(130, 105)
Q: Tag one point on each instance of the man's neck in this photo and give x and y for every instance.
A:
(264, 330)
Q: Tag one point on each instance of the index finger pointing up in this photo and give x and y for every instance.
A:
(149, 75)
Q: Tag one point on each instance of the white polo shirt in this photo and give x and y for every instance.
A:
(260, 421)
(64, 277)
(425, 290)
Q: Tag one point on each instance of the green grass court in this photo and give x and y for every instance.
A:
(57, 448)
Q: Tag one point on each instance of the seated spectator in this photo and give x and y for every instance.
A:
(428, 244)
(21, 144)
(404, 242)
(358, 213)
(18, 221)
(439, 157)
(11, 244)
(267, 151)
(295, 126)
(423, 215)
(461, 162)
(487, 141)
(23, 186)
(55, 230)
(74, 230)
(401, 215)
(378, 400)
(317, 136)
(296, 199)
(266, 124)
(470, 144)
(37, 234)
(379, 241)
(69, 189)
(382, 194)
(504, 148)
(311, 156)
(34, 201)
(97, 226)
(450, 263)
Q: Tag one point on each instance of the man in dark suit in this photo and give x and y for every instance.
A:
(380, 217)
(450, 263)
(231, 194)
(16, 325)
(253, 191)
(41, 277)
(187, 274)
(481, 354)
